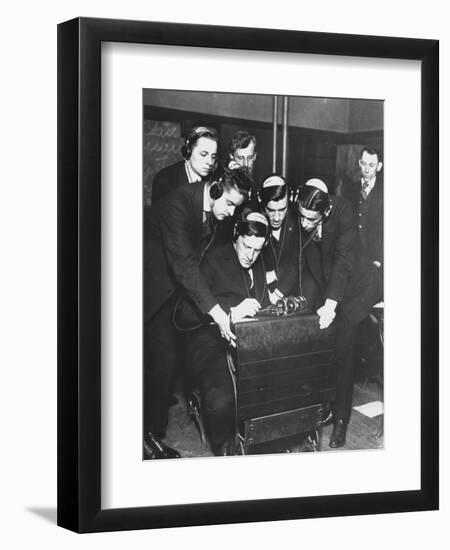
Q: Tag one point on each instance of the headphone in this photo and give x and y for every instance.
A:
(275, 181)
(319, 185)
(194, 135)
(258, 217)
(216, 189)
(240, 180)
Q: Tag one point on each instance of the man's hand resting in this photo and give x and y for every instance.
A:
(222, 320)
(327, 313)
(247, 308)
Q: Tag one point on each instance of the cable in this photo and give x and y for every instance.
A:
(232, 371)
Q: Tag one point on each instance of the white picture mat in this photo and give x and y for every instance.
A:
(126, 480)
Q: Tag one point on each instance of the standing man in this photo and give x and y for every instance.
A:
(242, 151)
(200, 154)
(366, 195)
(180, 228)
(366, 283)
(282, 252)
(327, 243)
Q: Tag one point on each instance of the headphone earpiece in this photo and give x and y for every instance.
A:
(216, 190)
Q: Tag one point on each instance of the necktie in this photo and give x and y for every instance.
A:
(207, 225)
(249, 283)
(364, 191)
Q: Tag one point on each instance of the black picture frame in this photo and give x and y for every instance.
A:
(79, 274)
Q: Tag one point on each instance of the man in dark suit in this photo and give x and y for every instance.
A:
(283, 249)
(179, 229)
(366, 195)
(365, 288)
(235, 273)
(328, 243)
(200, 154)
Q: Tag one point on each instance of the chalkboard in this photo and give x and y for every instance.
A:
(162, 144)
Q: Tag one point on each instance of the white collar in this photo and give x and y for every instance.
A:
(370, 184)
(191, 175)
(206, 201)
(276, 233)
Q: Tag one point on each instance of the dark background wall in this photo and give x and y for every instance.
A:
(325, 135)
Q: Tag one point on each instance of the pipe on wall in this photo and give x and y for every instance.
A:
(275, 133)
(285, 129)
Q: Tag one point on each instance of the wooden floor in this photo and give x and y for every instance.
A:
(363, 432)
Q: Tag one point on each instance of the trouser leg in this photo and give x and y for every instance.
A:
(209, 372)
(365, 289)
(345, 336)
(160, 357)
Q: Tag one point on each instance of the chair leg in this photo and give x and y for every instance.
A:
(315, 439)
(194, 412)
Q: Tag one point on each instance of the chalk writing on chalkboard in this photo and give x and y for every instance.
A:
(162, 144)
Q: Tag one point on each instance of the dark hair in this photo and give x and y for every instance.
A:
(311, 198)
(272, 193)
(237, 178)
(250, 228)
(194, 135)
(370, 151)
(241, 140)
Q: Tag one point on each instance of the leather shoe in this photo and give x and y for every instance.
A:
(337, 438)
(155, 448)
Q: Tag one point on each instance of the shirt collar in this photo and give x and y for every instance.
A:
(370, 185)
(191, 175)
(276, 233)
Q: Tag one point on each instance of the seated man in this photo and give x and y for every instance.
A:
(235, 274)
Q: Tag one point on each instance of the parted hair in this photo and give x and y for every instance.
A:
(272, 193)
(311, 198)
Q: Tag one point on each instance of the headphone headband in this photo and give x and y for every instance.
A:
(196, 131)
(318, 184)
(273, 181)
(256, 217)
(247, 218)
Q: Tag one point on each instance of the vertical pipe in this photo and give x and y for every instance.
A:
(274, 131)
(285, 129)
